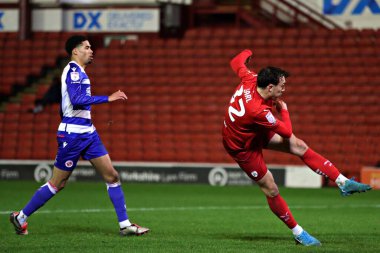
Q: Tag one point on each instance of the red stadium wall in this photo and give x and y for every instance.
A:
(178, 91)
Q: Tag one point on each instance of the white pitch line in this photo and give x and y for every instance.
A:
(196, 208)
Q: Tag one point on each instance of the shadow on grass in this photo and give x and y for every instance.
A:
(251, 238)
(89, 230)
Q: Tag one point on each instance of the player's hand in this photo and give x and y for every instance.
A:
(280, 104)
(118, 95)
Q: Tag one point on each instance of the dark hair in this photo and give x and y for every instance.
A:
(73, 42)
(270, 75)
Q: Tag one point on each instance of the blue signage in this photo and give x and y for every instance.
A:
(330, 8)
(87, 20)
(1, 15)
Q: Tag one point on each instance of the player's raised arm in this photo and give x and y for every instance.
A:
(238, 63)
(118, 95)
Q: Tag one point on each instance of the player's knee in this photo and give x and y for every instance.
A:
(298, 147)
(112, 177)
(273, 192)
(270, 190)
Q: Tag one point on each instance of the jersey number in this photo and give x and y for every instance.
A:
(232, 110)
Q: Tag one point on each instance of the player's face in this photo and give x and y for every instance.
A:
(279, 89)
(85, 53)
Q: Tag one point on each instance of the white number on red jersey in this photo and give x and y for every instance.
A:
(232, 110)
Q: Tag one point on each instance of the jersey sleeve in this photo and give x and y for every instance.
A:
(79, 93)
(267, 120)
(239, 67)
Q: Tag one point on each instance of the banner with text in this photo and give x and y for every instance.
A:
(112, 20)
(140, 172)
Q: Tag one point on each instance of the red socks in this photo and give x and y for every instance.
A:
(279, 207)
(320, 165)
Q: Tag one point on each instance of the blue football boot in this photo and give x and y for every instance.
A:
(307, 240)
(351, 186)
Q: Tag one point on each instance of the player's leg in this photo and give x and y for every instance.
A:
(280, 208)
(104, 166)
(252, 163)
(67, 157)
(40, 197)
(97, 154)
(316, 162)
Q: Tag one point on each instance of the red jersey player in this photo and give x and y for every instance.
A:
(250, 126)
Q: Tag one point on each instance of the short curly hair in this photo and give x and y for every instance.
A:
(73, 42)
(270, 75)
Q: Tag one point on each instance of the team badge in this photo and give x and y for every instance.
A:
(271, 119)
(69, 163)
(74, 76)
(254, 174)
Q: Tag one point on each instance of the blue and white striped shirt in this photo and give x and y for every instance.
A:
(77, 100)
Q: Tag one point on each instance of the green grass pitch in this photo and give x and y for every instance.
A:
(189, 218)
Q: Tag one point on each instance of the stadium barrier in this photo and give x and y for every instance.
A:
(371, 176)
(149, 172)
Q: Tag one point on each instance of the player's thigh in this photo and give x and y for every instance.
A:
(267, 185)
(254, 166)
(279, 143)
(292, 145)
(105, 168)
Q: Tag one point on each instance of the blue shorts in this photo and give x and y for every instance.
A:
(72, 146)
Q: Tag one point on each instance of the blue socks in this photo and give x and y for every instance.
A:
(47, 191)
(117, 197)
(40, 197)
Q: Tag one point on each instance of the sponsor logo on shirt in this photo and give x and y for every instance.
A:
(271, 119)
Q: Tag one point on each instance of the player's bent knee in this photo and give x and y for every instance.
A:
(273, 192)
(298, 147)
(112, 177)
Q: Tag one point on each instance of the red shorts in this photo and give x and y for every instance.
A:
(252, 159)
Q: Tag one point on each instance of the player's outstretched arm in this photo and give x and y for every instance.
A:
(240, 60)
(118, 95)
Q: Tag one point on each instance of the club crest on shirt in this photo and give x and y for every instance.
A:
(69, 163)
(271, 119)
(74, 76)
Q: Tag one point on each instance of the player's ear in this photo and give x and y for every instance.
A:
(270, 87)
(75, 51)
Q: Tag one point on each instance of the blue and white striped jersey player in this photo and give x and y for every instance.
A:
(77, 137)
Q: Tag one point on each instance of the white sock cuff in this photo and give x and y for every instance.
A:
(21, 213)
(21, 217)
(113, 185)
(125, 223)
(297, 230)
(340, 180)
(51, 187)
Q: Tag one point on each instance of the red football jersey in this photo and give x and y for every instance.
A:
(248, 114)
